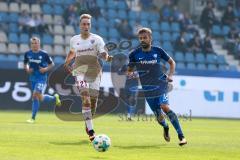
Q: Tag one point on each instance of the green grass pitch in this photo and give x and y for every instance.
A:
(52, 139)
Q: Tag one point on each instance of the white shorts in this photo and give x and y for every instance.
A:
(84, 84)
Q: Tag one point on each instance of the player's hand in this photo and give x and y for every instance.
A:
(67, 68)
(29, 70)
(109, 58)
(43, 70)
(131, 75)
(169, 78)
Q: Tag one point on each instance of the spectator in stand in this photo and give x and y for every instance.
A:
(237, 49)
(207, 45)
(180, 43)
(186, 23)
(229, 17)
(195, 44)
(147, 4)
(89, 6)
(231, 40)
(166, 11)
(208, 17)
(125, 30)
(23, 21)
(177, 14)
(70, 16)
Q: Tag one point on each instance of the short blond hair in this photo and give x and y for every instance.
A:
(35, 39)
(87, 16)
(145, 30)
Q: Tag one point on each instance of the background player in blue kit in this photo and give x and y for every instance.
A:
(37, 63)
(146, 60)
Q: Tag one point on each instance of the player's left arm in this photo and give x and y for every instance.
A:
(102, 49)
(49, 66)
(172, 64)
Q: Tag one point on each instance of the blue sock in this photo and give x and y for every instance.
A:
(174, 120)
(131, 110)
(48, 99)
(163, 123)
(35, 107)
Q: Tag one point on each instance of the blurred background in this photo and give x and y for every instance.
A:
(202, 36)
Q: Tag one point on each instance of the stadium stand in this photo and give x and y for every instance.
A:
(165, 32)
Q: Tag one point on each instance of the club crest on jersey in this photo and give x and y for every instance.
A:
(92, 41)
(155, 55)
(40, 57)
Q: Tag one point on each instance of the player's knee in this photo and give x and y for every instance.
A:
(165, 108)
(36, 96)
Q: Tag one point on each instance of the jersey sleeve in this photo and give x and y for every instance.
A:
(163, 54)
(101, 45)
(26, 60)
(49, 59)
(132, 61)
(71, 45)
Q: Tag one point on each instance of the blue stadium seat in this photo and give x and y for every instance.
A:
(210, 58)
(13, 38)
(189, 57)
(101, 22)
(165, 26)
(47, 39)
(144, 23)
(201, 66)
(3, 17)
(179, 57)
(221, 59)
(12, 57)
(135, 43)
(144, 15)
(3, 57)
(156, 36)
(212, 67)
(222, 67)
(101, 4)
(58, 9)
(24, 38)
(153, 17)
(232, 68)
(112, 13)
(175, 27)
(13, 17)
(155, 26)
(58, 59)
(188, 36)
(216, 30)
(113, 33)
(191, 66)
(122, 5)
(200, 58)
(122, 14)
(166, 36)
(111, 5)
(47, 9)
(167, 46)
(180, 65)
(222, 3)
(103, 32)
(68, 2)
(13, 27)
(156, 43)
(133, 15)
(225, 30)
(175, 35)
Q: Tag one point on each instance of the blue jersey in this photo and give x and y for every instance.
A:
(37, 60)
(149, 68)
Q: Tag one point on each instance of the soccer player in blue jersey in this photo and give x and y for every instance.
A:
(146, 61)
(37, 63)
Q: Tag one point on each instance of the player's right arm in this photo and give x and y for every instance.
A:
(70, 56)
(26, 65)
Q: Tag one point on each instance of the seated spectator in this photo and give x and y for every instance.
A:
(237, 49)
(229, 17)
(208, 17)
(166, 11)
(207, 45)
(147, 4)
(195, 44)
(93, 8)
(177, 15)
(186, 23)
(125, 29)
(180, 43)
(23, 21)
(231, 40)
(70, 16)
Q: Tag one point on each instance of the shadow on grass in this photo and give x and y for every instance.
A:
(82, 142)
(157, 146)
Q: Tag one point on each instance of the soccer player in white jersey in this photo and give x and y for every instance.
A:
(86, 49)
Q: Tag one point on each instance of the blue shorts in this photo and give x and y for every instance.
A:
(156, 102)
(39, 87)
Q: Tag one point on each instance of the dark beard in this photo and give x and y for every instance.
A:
(144, 45)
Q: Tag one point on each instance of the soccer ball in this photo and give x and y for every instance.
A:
(101, 143)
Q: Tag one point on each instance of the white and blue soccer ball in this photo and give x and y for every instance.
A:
(101, 143)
